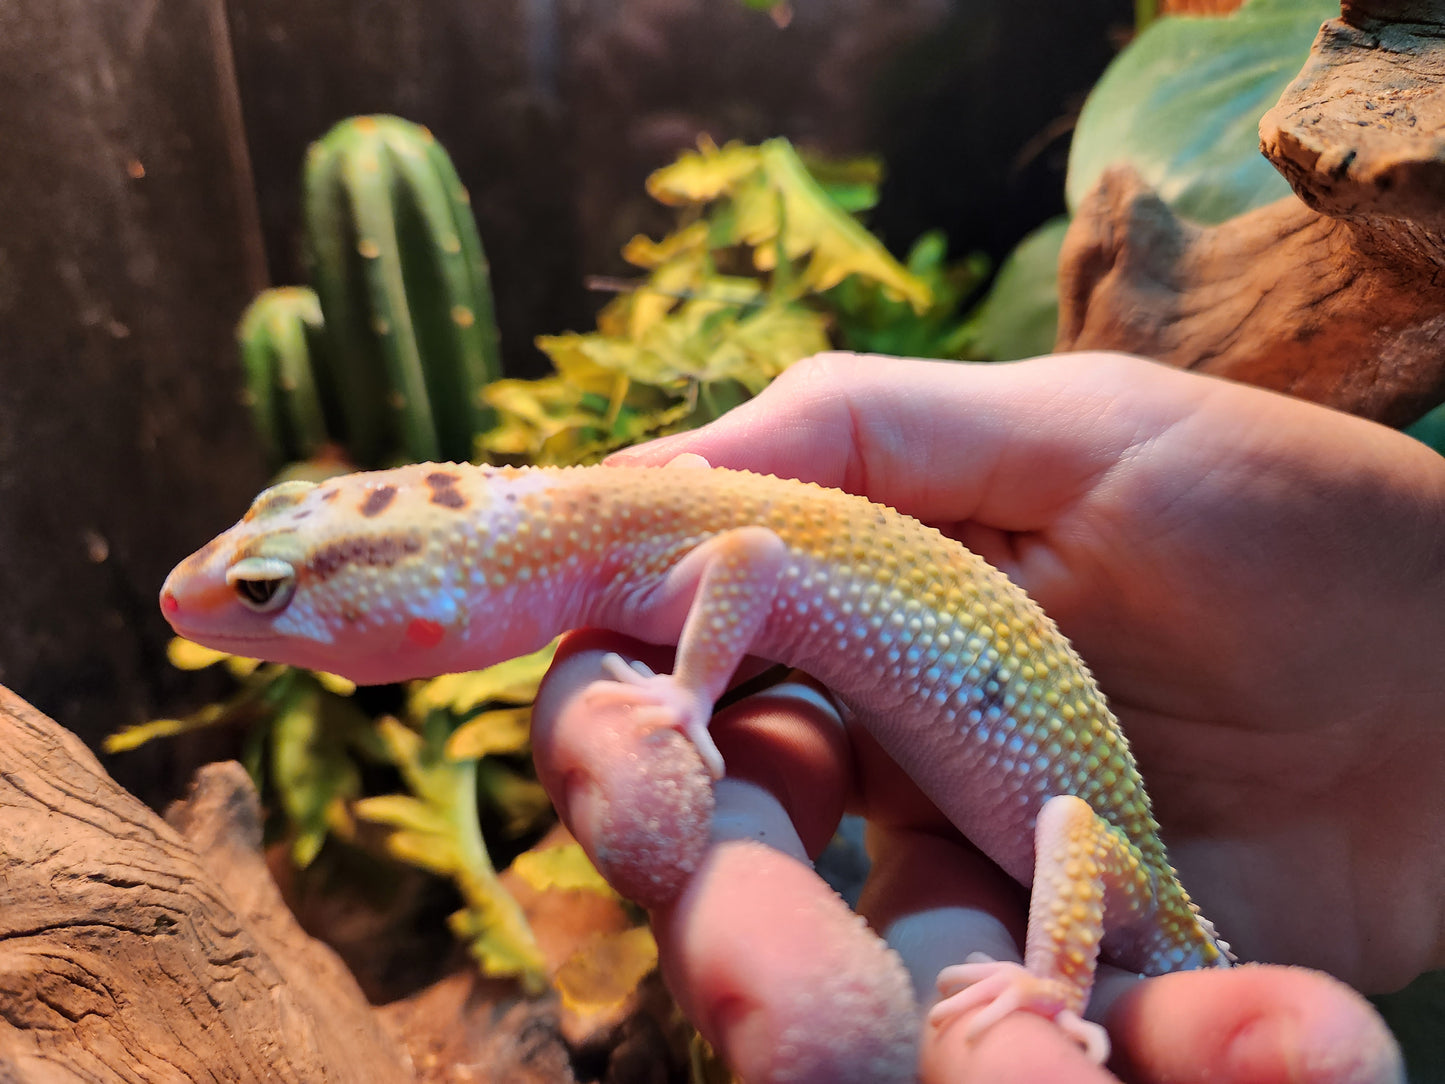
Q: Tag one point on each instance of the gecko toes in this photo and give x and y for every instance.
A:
(985, 991)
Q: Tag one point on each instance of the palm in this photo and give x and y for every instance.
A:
(1258, 584)
(1246, 603)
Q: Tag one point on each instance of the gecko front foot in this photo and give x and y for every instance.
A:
(669, 702)
(996, 988)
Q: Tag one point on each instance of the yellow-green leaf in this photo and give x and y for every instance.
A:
(793, 208)
(403, 744)
(514, 681)
(704, 174)
(335, 683)
(606, 969)
(493, 946)
(687, 245)
(239, 666)
(437, 829)
(564, 868)
(187, 655)
(426, 850)
(401, 811)
(777, 204)
(504, 730)
(131, 737)
(312, 769)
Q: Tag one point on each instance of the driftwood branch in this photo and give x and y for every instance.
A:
(139, 949)
(133, 949)
(1335, 295)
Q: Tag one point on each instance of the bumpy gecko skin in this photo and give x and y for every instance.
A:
(428, 569)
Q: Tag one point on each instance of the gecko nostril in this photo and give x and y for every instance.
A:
(169, 603)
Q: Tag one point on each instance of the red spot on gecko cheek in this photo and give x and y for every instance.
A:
(169, 604)
(423, 633)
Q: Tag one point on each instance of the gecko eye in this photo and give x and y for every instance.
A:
(263, 584)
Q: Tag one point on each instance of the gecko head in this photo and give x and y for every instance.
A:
(338, 576)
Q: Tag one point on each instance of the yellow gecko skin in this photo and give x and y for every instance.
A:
(968, 685)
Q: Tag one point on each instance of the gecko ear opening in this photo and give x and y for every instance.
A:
(263, 584)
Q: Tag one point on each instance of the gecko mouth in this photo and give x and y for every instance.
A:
(219, 641)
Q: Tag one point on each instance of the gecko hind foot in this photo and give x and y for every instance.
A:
(992, 989)
(672, 704)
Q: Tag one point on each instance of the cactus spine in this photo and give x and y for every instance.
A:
(398, 265)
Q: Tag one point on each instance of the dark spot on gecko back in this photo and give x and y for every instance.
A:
(988, 693)
(444, 492)
(378, 500)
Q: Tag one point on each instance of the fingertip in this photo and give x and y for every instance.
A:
(782, 978)
(634, 794)
(1256, 1023)
(789, 740)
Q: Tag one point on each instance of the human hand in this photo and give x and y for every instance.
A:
(1257, 584)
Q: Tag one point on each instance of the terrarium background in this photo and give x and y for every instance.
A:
(149, 180)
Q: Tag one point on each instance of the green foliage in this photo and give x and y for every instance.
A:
(766, 260)
(867, 319)
(1416, 1015)
(311, 742)
(1430, 429)
(1020, 316)
(435, 827)
(312, 765)
(1182, 104)
(305, 721)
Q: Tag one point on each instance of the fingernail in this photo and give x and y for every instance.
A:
(653, 451)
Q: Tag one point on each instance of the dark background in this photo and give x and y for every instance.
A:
(149, 151)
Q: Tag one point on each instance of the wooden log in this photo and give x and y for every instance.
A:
(133, 949)
(1335, 296)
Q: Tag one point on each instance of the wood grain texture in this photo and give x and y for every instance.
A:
(1337, 296)
(134, 950)
(1282, 297)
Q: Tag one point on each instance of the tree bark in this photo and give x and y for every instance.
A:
(1338, 295)
(136, 950)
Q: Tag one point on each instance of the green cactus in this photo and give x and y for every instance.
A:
(397, 263)
(279, 338)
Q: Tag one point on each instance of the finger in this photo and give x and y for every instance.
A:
(776, 971)
(781, 977)
(628, 785)
(1006, 445)
(1257, 1023)
(937, 900)
(1022, 1048)
(788, 739)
